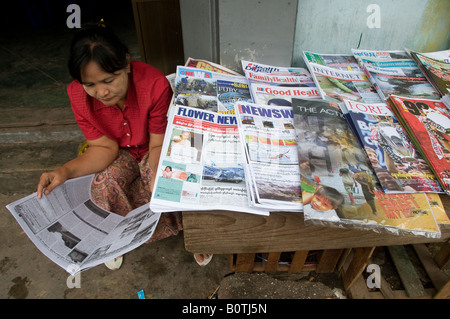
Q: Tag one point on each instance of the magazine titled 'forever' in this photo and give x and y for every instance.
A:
(399, 167)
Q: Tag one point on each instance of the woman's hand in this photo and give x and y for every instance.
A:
(100, 153)
(49, 180)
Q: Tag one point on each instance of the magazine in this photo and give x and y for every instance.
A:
(427, 123)
(397, 164)
(338, 85)
(437, 70)
(269, 144)
(266, 94)
(380, 54)
(338, 187)
(201, 165)
(209, 66)
(211, 91)
(394, 72)
(291, 80)
(346, 62)
(75, 233)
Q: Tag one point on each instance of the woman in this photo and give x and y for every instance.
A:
(120, 106)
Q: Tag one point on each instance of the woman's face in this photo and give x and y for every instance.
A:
(109, 88)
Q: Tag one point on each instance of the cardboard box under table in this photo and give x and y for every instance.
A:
(258, 243)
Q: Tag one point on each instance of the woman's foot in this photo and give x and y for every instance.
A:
(203, 259)
(115, 263)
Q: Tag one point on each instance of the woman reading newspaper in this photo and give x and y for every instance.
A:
(120, 106)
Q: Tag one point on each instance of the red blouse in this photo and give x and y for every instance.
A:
(144, 112)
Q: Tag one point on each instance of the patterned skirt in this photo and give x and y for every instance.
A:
(125, 185)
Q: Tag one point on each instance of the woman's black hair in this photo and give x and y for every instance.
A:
(96, 42)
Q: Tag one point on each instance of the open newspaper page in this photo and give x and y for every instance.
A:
(75, 233)
(427, 123)
(201, 165)
(394, 72)
(338, 85)
(338, 187)
(437, 71)
(291, 82)
(397, 164)
(211, 91)
(346, 62)
(268, 138)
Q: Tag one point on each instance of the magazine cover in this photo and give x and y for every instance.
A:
(276, 76)
(394, 72)
(397, 164)
(338, 85)
(345, 62)
(268, 140)
(210, 91)
(427, 123)
(201, 165)
(209, 66)
(437, 71)
(281, 95)
(380, 54)
(339, 188)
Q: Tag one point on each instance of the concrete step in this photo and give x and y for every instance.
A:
(29, 148)
(23, 163)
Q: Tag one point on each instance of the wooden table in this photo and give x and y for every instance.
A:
(225, 232)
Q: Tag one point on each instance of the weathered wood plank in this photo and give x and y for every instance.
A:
(225, 232)
(442, 257)
(437, 277)
(356, 265)
(298, 261)
(272, 262)
(406, 271)
(328, 260)
(244, 262)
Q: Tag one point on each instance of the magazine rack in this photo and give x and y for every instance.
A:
(244, 235)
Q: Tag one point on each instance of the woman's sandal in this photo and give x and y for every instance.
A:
(203, 259)
(115, 263)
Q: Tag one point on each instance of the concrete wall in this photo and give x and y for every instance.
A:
(277, 31)
(227, 31)
(335, 26)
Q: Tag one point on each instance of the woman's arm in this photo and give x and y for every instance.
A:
(154, 152)
(99, 155)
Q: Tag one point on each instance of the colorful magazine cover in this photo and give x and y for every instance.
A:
(210, 91)
(337, 61)
(397, 164)
(339, 188)
(427, 123)
(338, 85)
(394, 72)
(437, 71)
